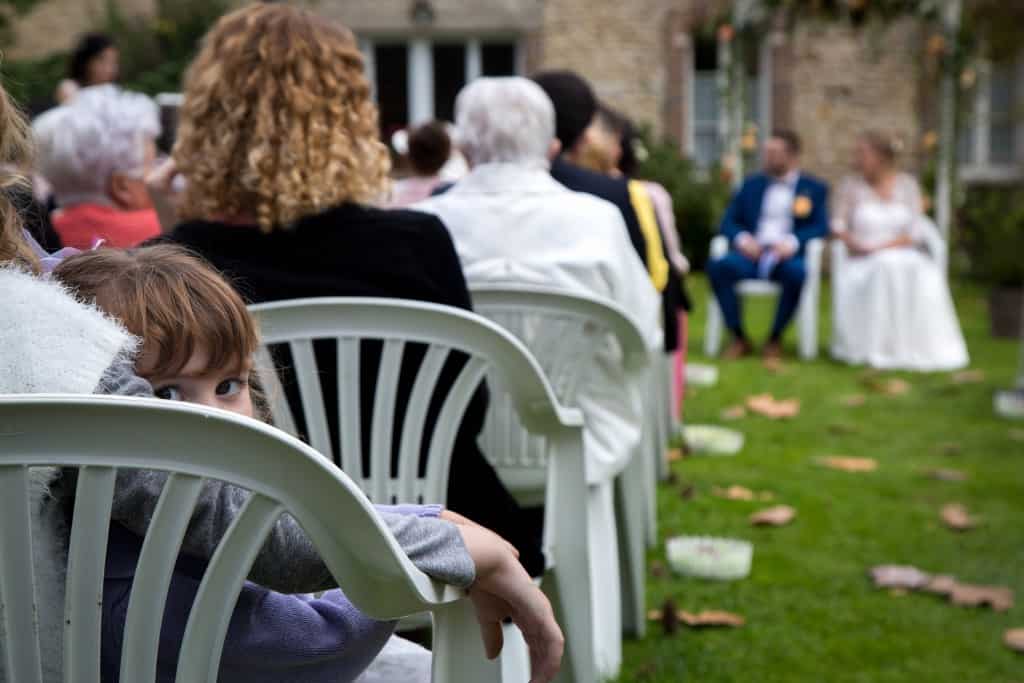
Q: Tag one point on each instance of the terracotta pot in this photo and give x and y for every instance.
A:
(1005, 305)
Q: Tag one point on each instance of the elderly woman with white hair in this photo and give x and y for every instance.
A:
(514, 224)
(95, 152)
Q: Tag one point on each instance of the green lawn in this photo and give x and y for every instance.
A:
(812, 613)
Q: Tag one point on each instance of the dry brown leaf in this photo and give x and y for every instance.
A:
(968, 376)
(734, 413)
(779, 515)
(1014, 639)
(674, 454)
(889, 387)
(951, 448)
(1017, 434)
(999, 598)
(854, 400)
(775, 409)
(898, 576)
(734, 492)
(669, 617)
(941, 585)
(848, 464)
(687, 492)
(946, 474)
(956, 517)
(657, 569)
(653, 615)
(766, 496)
(711, 618)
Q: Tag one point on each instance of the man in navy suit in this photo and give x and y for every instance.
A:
(768, 224)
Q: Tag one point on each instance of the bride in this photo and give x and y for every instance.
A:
(891, 304)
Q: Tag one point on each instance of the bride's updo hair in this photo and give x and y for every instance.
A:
(884, 145)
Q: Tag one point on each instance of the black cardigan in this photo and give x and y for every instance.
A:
(354, 250)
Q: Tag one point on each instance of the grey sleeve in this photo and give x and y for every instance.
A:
(288, 562)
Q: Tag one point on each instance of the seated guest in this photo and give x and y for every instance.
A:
(768, 223)
(513, 223)
(893, 309)
(278, 177)
(575, 109)
(95, 152)
(429, 148)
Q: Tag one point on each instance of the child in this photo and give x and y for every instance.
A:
(198, 341)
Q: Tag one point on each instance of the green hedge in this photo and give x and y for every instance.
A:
(990, 235)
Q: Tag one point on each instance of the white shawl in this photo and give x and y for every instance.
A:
(51, 343)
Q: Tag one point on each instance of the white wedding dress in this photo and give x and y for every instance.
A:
(892, 309)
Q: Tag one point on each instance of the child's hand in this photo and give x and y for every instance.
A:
(503, 590)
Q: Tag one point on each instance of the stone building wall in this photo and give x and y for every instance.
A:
(843, 82)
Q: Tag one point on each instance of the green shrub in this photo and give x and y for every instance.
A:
(990, 233)
(699, 196)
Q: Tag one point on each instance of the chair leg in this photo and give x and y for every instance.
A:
(631, 521)
(713, 328)
(459, 650)
(808, 320)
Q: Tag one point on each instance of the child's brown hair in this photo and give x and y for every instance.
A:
(169, 298)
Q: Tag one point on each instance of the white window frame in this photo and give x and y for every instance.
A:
(979, 168)
(764, 94)
(421, 65)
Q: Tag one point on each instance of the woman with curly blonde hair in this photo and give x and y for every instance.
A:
(278, 146)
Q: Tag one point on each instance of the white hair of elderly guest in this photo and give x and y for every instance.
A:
(505, 120)
(103, 131)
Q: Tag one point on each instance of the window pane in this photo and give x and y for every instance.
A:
(1001, 143)
(1003, 94)
(707, 150)
(705, 96)
(498, 59)
(449, 77)
(705, 54)
(392, 71)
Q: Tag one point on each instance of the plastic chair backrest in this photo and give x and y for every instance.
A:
(492, 352)
(99, 435)
(564, 330)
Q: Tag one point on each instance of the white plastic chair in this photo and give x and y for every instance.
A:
(99, 435)
(807, 312)
(558, 326)
(493, 353)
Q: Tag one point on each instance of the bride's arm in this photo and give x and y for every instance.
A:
(842, 220)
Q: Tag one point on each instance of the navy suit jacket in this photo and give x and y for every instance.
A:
(744, 210)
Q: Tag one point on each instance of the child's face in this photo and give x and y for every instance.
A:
(227, 389)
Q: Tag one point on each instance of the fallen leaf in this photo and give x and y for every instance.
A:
(946, 474)
(734, 413)
(672, 478)
(674, 454)
(853, 400)
(1017, 434)
(848, 464)
(669, 617)
(779, 515)
(999, 598)
(657, 569)
(888, 387)
(768, 406)
(842, 428)
(956, 517)
(687, 492)
(897, 592)
(766, 495)
(653, 614)
(968, 376)
(734, 492)
(711, 618)
(1014, 639)
(951, 448)
(898, 576)
(941, 585)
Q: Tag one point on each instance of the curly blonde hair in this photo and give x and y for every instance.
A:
(277, 120)
(15, 154)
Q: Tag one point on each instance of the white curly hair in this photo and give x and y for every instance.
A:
(504, 120)
(102, 131)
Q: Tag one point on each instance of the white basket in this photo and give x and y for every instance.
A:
(722, 559)
(712, 440)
